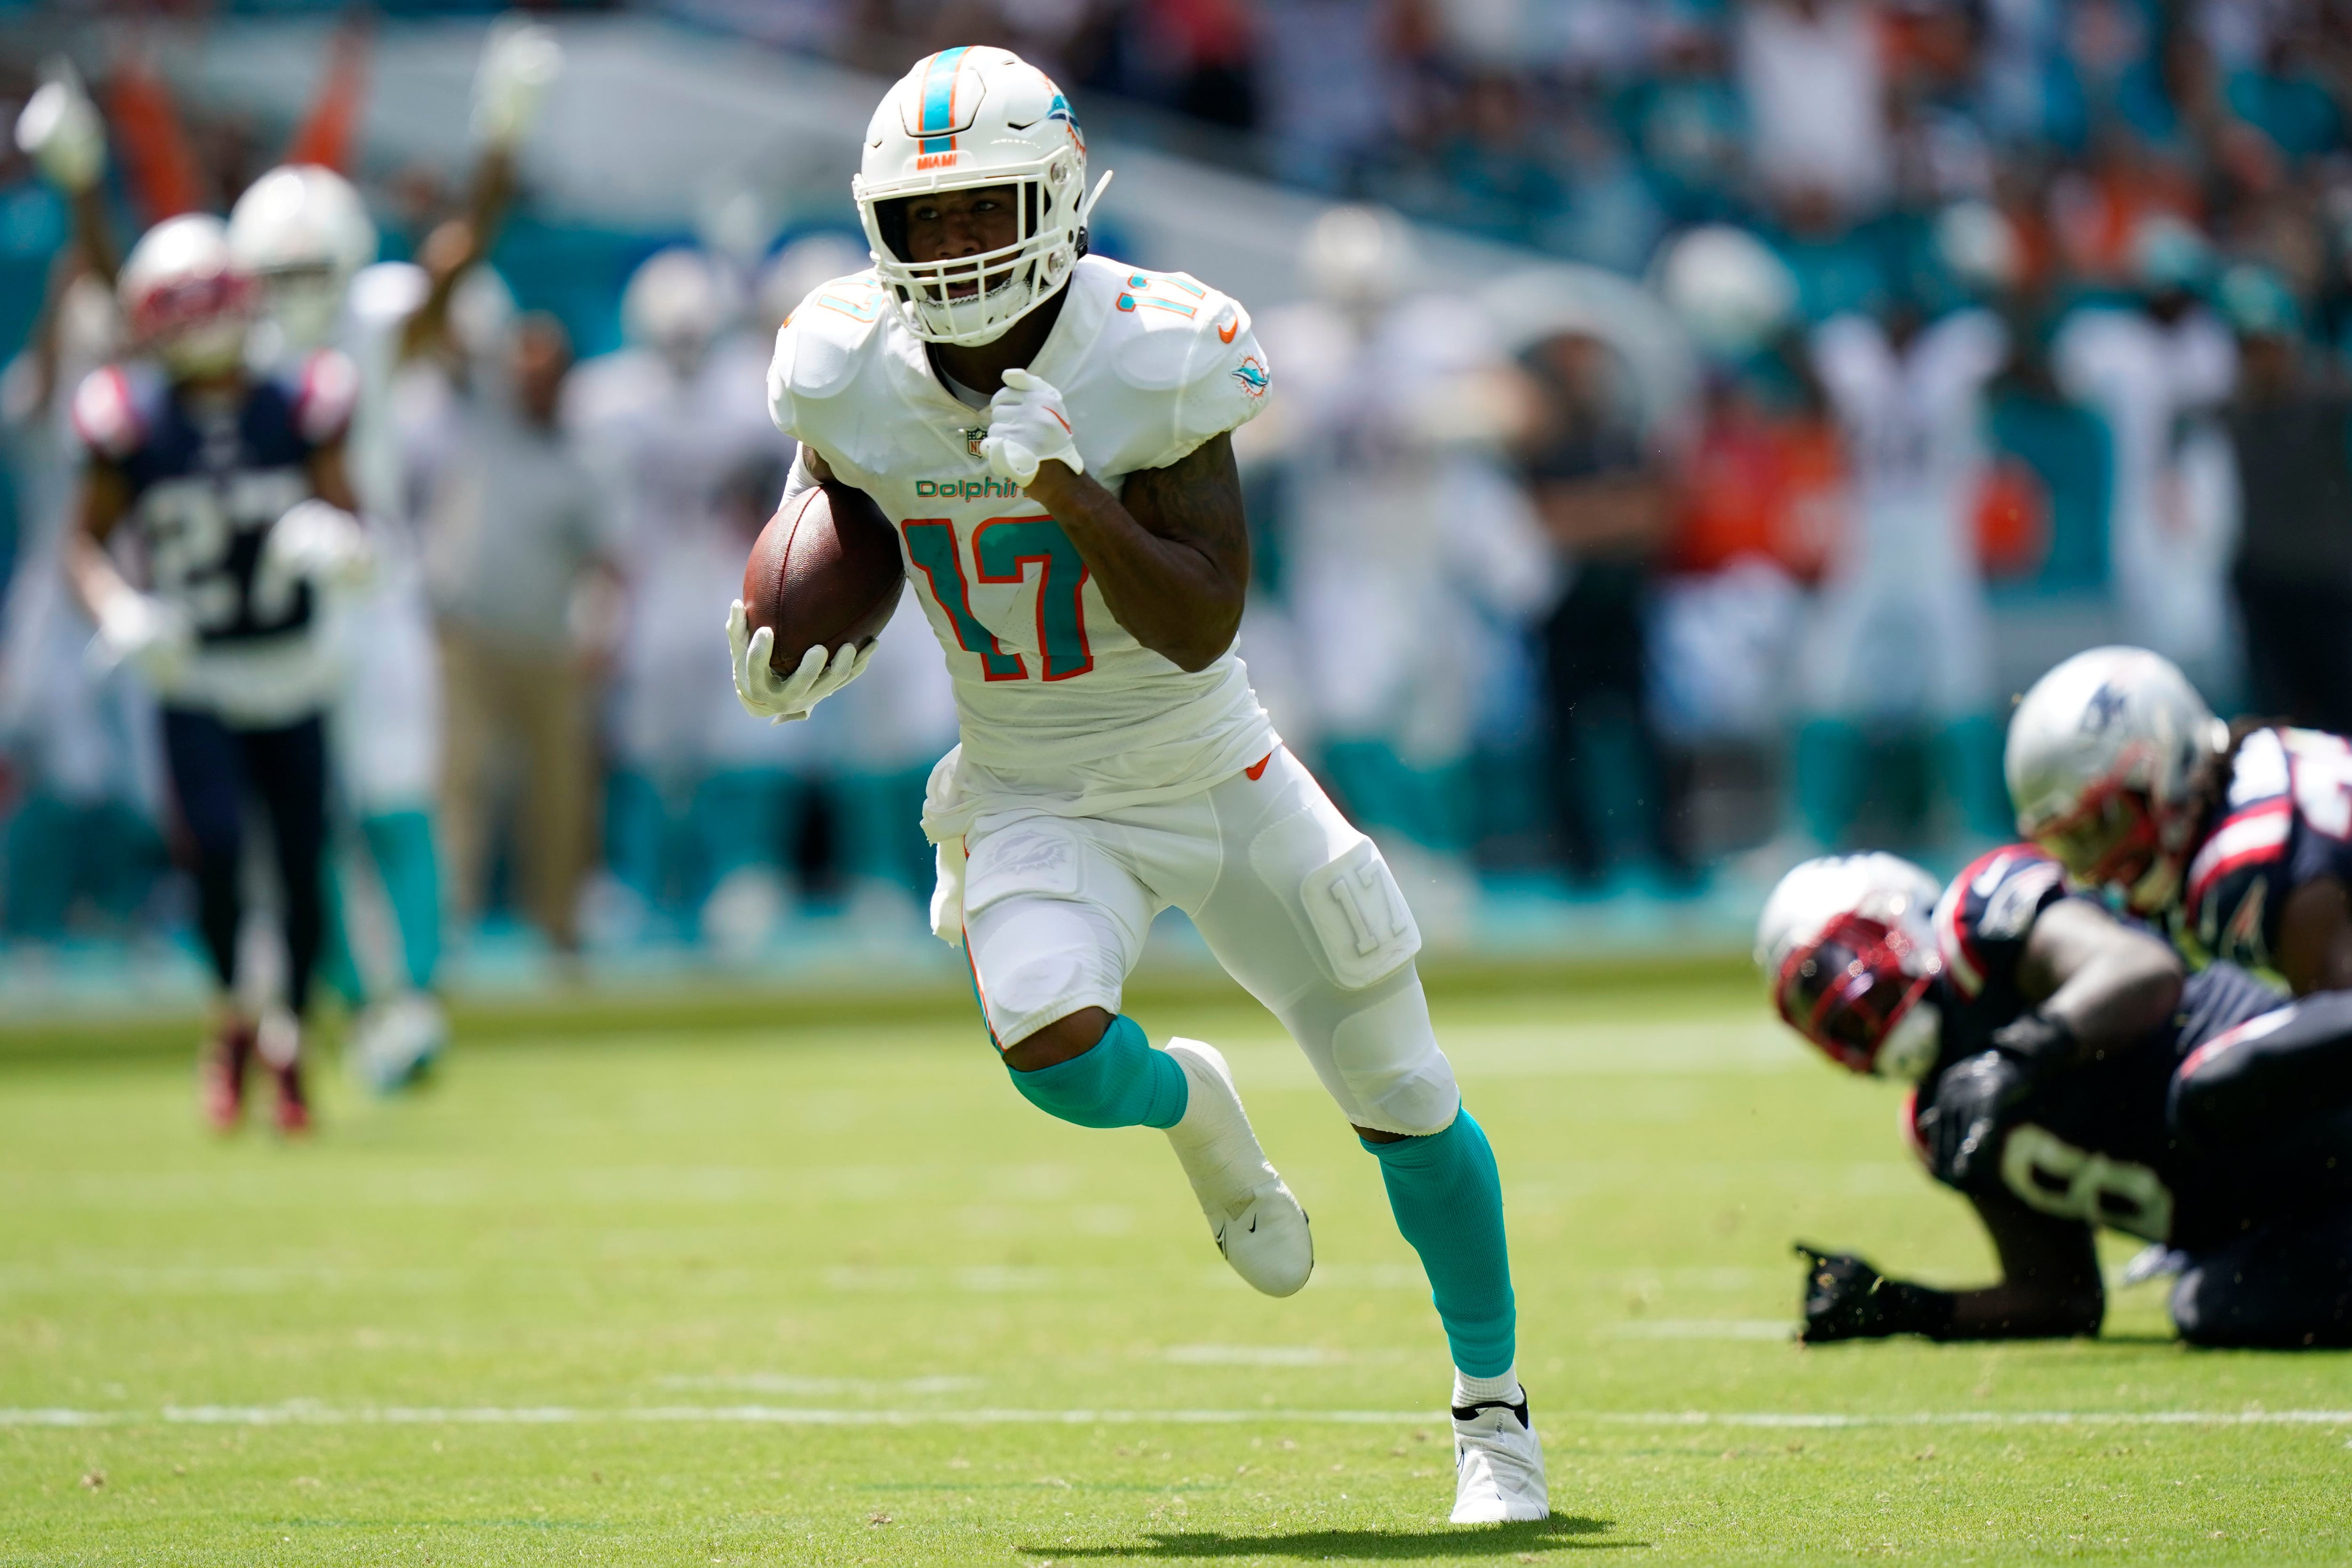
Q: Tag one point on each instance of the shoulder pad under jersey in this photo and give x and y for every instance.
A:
(1982, 920)
(1183, 337)
(113, 410)
(817, 348)
(2229, 903)
(322, 394)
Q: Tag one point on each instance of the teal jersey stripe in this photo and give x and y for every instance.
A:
(938, 98)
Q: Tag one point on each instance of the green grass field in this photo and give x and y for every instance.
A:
(738, 1289)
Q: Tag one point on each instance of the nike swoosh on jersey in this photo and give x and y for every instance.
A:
(1225, 333)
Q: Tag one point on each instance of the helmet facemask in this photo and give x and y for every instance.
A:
(1858, 991)
(974, 300)
(195, 325)
(302, 303)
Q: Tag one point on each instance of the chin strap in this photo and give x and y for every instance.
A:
(1087, 209)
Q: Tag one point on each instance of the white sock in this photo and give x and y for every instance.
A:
(1469, 1390)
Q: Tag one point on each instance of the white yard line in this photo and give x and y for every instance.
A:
(304, 1412)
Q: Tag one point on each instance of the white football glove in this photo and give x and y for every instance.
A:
(1027, 426)
(777, 698)
(60, 130)
(145, 632)
(314, 542)
(519, 60)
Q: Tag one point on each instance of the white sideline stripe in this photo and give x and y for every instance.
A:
(302, 1412)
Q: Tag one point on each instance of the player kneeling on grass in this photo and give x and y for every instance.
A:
(232, 488)
(1049, 432)
(2238, 838)
(2069, 1076)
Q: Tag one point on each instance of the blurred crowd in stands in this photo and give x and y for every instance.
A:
(2000, 330)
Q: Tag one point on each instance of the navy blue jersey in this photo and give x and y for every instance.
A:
(1981, 924)
(2285, 820)
(209, 481)
(2091, 1141)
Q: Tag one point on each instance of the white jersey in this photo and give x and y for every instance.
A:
(1056, 700)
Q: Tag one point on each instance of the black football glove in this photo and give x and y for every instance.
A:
(1962, 1127)
(1845, 1298)
(2037, 1042)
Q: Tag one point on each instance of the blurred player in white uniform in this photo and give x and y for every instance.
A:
(882, 738)
(2148, 370)
(702, 797)
(1396, 511)
(1901, 640)
(1051, 434)
(83, 736)
(302, 232)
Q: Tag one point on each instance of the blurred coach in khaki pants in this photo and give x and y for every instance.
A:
(519, 555)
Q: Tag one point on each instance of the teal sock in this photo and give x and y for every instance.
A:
(338, 965)
(1121, 1081)
(1832, 769)
(402, 845)
(1448, 1201)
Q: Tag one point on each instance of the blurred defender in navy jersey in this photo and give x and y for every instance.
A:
(227, 488)
(2071, 1077)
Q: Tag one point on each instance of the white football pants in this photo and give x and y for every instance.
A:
(1292, 901)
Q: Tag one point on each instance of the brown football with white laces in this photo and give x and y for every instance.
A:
(824, 573)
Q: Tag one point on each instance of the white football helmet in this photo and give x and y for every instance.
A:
(184, 297)
(2102, 754)
(1848, 946)
(963, 119)
(677, 302)
(1359, 259)
(797, 271)
(301, 232)
(1728, 290)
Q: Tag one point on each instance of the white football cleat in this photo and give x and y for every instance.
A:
(1258, 1225)
(1498, 1465)
(398, 1041)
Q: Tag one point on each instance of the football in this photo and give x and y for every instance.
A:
(824, 571)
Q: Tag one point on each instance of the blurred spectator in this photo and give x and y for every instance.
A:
(1500, 183)
(518, 531)
(1816, 99)
(1328, 86)
(2291, 431)
(1401, 537)
(82, 841)
(1900, 647)
(705, 797)
(1605, 507)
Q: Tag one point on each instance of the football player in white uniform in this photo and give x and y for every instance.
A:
(675, 418)
(304, 236)
(1052, 433)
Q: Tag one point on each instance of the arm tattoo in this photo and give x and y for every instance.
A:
(1196, 501)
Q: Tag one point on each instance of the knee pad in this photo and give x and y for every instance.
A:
(1387, 1054)
(1362, 930)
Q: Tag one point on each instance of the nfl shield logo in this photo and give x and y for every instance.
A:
(973, 437)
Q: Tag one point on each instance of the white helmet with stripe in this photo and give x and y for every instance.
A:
(184, 297)
(2102, 756)
(961, 120)
(302, 232)
(1848, 948)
